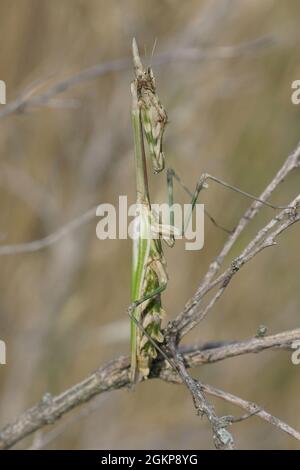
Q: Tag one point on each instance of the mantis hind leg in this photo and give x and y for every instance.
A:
(202, 184)
(170, 183)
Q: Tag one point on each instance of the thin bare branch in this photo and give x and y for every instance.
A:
(115, 375)
(264, 239)
(253, 409)
(185, 320)
(49, 240)
(26, 102)
(222, 438)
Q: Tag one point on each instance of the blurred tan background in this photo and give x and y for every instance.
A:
(62, 309)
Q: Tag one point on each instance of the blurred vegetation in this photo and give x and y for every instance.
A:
(62, 309)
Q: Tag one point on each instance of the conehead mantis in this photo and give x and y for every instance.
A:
(149, 272)
(149, 276)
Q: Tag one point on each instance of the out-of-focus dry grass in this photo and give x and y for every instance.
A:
(233, 118)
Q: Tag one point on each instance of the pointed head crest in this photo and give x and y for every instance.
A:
(153, 115)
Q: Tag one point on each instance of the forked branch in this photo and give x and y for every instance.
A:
(115, 375)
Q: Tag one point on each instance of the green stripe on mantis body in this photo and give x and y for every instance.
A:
(141, 250)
